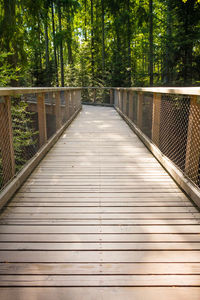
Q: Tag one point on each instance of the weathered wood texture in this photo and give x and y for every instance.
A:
(99, 219)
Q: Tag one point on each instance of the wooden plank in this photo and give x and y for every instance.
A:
(100, 256)
(98, 246)
(166, 217)
(102, 222)
(97, 204)
(181, 229)
(73, 237)
(6, 140)
(132, 195)
(102, 210)
(96, 268)
(100, 280)
(99, 293)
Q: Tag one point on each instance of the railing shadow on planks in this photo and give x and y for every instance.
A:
(167, 120)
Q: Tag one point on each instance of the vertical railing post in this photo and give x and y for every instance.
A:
(76, 100)
(139, 109)
(156, 118)
(58, 110)
(121, 99)
(42, 119)
(111, 97)
(80, 98)
(6, 139)
(66, 95)
(94, 95)
(125, 101)
(193, 141)
(130, 106)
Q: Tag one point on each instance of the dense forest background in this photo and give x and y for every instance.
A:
(99, 42)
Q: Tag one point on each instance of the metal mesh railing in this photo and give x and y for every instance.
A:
(171, 122)
(28, 121)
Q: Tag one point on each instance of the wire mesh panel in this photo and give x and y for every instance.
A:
(50, 114)
(172, 123)
(147, 108)
(25, 129)
(135, 106)
(27, 122)
(173, 127)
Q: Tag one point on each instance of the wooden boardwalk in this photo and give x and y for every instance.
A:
(99, 219)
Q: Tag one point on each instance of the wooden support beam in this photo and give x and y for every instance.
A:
(42, 119)
(130, 106)
(58, 110)
(193, 141)
(139, 110)
(124, 102)
(67, 104)
(94, 95)
(6, 139)
(111, 97)
(157, 98)
(121, 100)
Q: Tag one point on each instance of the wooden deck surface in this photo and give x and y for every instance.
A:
(99, 219)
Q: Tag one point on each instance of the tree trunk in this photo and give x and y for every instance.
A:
(85, 4)
(103, 36)
(129, 43)
(61, 46)
(151, 42)
(54, 44)
(92, 41)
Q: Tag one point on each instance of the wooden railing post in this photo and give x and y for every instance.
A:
(193, 141)
(42, 119)
(125, 102)
(94, 95)
(130, 106)
(80, 98)
(121, 100)
(156, 118)
(58, 110)
(74, 101)
(111, 97)
(66, 95)
(139, 109)
(6, 139)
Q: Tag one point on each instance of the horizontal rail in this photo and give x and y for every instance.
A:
(162, 90)
(23, 90)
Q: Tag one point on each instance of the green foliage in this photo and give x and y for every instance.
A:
(114, 49)
(7, 72)
(24, 135)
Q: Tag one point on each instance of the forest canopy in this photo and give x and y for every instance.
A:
(99, 42)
